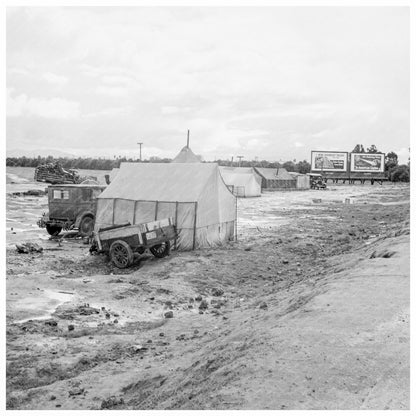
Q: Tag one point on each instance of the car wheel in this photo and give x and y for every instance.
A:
(86, 226)
(53, 229)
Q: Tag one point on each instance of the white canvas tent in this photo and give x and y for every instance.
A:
(194, 195)
(243, 182)
(276, 179)
(113, 173)
(302, 180)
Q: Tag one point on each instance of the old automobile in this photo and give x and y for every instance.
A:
(316, 181)
(71, 207)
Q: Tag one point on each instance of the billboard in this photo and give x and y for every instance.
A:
(329, 161)
(367, 162)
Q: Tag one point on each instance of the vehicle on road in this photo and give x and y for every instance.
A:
(316, 181)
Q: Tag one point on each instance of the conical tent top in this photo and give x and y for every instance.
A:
(186, 155)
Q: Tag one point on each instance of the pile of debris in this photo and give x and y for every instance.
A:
(54, 173)
(29, 248)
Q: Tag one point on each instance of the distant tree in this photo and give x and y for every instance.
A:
(289, 166)
(400, 173)
(391, 159)
(372, 149)
(390, 163)
(359, 148)
(266, 164)
(303, 167)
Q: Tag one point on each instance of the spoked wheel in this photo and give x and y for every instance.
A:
(121, 254)
(161, 250)
(53, 229)
(86, 226)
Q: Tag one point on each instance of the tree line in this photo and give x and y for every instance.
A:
(76, 163)
(394, 171)
(108, 164)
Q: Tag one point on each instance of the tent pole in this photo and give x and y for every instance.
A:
(194, 242)
(176, 221)
(134, 213)
(114, 205)
(236, 212)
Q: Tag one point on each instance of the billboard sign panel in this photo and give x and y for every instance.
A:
(329, 161)
(367, 162)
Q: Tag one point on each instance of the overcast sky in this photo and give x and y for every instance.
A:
(273, 83)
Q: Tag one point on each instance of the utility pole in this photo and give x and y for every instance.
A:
(140, 144)
(239, 160)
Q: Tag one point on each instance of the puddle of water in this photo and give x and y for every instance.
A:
(42, 306)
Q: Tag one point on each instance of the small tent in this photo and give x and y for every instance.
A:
(276, 179)
(194, 195)
(243, 182)
(186, 155)
(302, 180)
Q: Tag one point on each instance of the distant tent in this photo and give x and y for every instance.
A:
(194, 195)
(243, 182)
(302, 180)
(186, 155)
(283, 174)
(276, 179)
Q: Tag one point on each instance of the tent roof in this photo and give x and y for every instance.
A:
(282, 173)
(230, 169)
(296, 174)
(186, 155)
(267, 173)
(238, 176)
(182, 182)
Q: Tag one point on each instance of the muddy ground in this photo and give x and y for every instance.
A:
(309, 309)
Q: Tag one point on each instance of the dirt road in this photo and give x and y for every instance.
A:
(309, 309)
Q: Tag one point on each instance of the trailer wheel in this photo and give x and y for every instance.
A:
(121, 254)
(161, 250)
(53, 229)
(86, 226)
